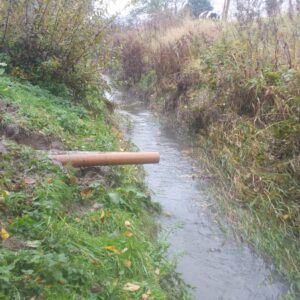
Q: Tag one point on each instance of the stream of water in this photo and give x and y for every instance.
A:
(215, 264)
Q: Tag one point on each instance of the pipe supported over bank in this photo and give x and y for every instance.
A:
(89, 159)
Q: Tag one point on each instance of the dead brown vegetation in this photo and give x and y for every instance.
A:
(235, 86)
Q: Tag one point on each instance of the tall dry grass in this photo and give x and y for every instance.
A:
(236, 87)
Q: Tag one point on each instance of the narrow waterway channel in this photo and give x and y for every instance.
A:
(217, 266)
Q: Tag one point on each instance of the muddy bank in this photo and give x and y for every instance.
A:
(36, 140)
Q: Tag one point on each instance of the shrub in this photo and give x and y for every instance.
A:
(58, 44)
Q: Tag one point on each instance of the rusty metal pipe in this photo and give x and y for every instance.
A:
(89, 159)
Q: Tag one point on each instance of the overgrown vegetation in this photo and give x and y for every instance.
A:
(58, 44)
(65, 233)
(235, 88)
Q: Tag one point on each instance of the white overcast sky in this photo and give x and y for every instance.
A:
(117, 6)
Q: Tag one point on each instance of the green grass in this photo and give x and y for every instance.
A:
(60, 245)
(42, 112)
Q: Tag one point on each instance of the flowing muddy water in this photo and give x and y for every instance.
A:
(217, 266)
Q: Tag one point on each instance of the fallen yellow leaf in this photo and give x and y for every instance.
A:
(73, 180)
(157, 271)
(38, 279)
(77, 220)
(102, 215)
(285, 217)
(4, 193)
(113, 249)
(127, 263)
(131, 287)
(144, 297)
(127, 224)
(4, 234)
(86, 193)
(124, 250)
(128, 233)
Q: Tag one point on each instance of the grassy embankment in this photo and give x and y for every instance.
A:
(69, 233)
(235, 88)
